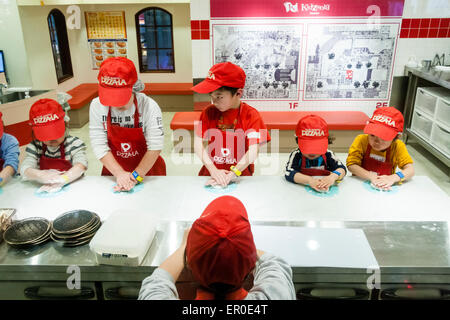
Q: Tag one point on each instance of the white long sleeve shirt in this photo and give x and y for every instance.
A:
(150, 119)
(272, 281)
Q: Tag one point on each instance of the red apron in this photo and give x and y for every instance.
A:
(380, 167)
(238, 294)
(128, 146)
(233, 151)
(314, 171)
(2, 161)
(60, 164)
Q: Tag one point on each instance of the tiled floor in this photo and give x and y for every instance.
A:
(267, 164)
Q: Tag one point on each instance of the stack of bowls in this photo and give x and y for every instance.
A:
(28, 233)
(75, 228)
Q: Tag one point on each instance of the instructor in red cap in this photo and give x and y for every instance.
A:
(232, 130)
(125, 127)
(220, 253)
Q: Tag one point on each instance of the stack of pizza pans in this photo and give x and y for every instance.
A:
(28, 233)
(75, 228)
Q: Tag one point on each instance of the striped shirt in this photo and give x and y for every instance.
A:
(294, 163)
(74, 149)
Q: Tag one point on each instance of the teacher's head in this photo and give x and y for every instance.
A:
(116, 78)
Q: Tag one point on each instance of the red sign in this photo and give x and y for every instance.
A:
(349, 74)
(314, 8)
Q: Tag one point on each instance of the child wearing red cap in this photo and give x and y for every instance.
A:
(9, 154)
(54, 158)
(376, 154)
(125, 126)
(312, 157)
(233, 129)
(220, 253)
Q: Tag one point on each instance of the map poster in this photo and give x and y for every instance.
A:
(269, 55)
(107, 35)
(349, 61)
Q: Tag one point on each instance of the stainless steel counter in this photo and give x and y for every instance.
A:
(406, 248)
(438, 77)
(409, 248)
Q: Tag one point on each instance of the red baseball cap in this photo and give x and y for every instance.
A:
(224, 74)
(1, 125)
(386, 123)
(220, 246)
(312, 133)
(116, 78)
(47, 120)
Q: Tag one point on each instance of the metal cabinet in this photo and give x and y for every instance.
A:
(430, 123)
(121, 290)
(413, 291)
(51, 290)
(338, 291)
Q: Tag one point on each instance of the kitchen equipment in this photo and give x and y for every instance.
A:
(75, 228)
(412, 62)
(124, 238)
(442, 68)
(27, 232)
(73, 221)
(6, 217)
(426, 64)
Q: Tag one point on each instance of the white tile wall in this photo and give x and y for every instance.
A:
(421, 49)
(200, 10)
(201, 58)
(426, 9)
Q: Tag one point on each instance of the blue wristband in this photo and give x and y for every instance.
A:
(337, 172)
(136, 175)
(400, 174)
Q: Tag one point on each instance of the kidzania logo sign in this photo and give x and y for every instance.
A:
(364, 9)
(311, 8)
(291, 7)
(315, 8)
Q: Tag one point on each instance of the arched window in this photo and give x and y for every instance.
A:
(155, 40)
(60, 45)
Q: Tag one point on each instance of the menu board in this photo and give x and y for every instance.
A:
(107, 35)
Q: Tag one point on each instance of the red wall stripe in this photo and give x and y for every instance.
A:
(200, 29)
(411, 28)
(425, 28)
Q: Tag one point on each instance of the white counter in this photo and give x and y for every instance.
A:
(267, 198)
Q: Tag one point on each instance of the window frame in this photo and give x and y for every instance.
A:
(138, 40)
(63, 45)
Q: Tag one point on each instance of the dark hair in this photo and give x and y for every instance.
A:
(330, 139)
(229, 89)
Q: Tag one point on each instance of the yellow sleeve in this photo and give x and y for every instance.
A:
(357, 150)
(400, 157)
